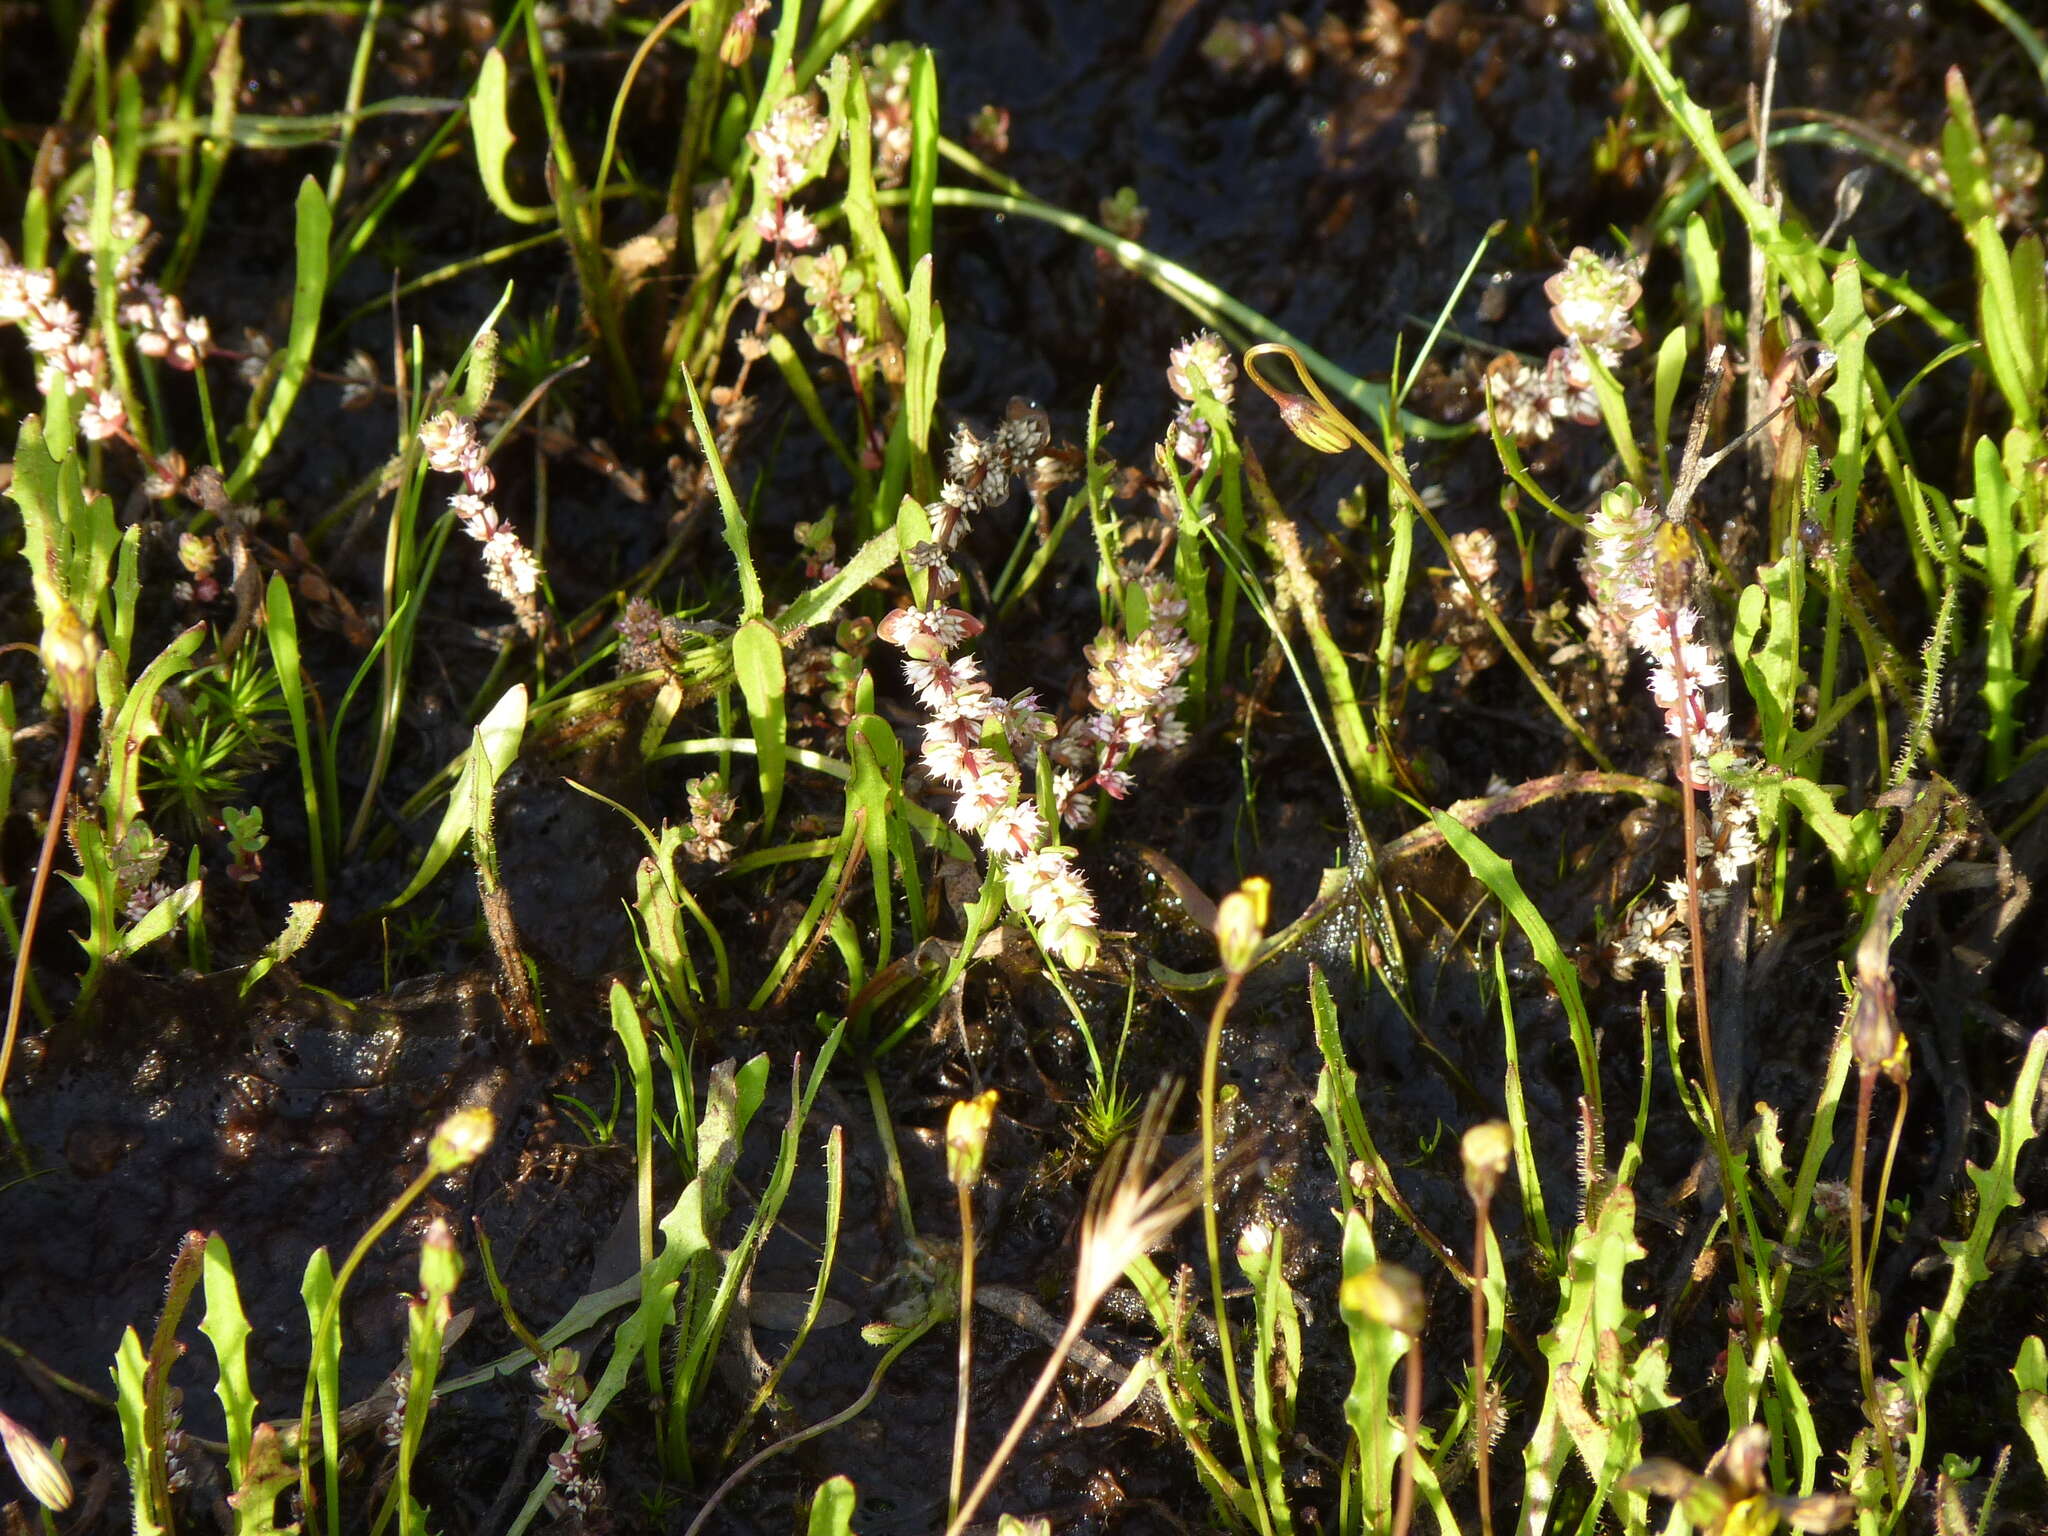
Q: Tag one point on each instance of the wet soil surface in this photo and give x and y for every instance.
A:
(1337, 190)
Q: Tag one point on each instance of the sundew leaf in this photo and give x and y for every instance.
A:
(492, 135)
(227, 1329)
(300, 921)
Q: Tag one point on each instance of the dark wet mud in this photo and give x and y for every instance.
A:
(1337, 183)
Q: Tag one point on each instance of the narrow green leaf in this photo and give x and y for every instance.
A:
(134, 723)
(822, 601)
(492, 750)
(309, 292)
(925, 351)
(1498, 876)
(832, 1507)
(728, 504)
(846, 85)
(316, 1290)
(924, 156)
(757, 665)
(281, 630)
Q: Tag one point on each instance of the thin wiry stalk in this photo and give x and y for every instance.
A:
(1411, 1427)
(74, 735)
(1211, 1050)
(1127, 1216)
(965, 1383)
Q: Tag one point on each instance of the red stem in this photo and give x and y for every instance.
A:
(74, 734)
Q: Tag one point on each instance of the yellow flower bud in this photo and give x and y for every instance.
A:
(1241, 924)
(967, 1127)
(1385, 1294)
(40, 1472)
(71, 651)
(462, 1138)
(1486, 1149)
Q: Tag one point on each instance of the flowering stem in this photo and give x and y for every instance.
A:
(1733, 1193)
(74, 734)
(1859, 1272)
(1211, 1050)
(966, 1367)
(1084, 1308)
(1411, 1428)
(1482, 1409)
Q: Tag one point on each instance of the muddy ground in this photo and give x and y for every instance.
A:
(1340, 198)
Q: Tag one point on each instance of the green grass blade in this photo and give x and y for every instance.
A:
(282, 632)
(1498, 876)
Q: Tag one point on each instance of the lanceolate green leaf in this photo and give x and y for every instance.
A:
(309, 292)
(491, 751)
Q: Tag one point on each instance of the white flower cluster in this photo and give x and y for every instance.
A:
(1590, 300)
(1203, 362)
(73, 359)
(992, 803)
(979, 470)
(29, 299)
(1460, 621)
(1621, 575)
(452, 447)
(1134, 687)
(786, 145)
(1655, 933)
(711, 807)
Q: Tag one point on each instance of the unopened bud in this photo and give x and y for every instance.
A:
(440, 1261)
(1241, 924)
(462, 1138)
(967, 1126)
(1486, 1149)
(71, 651)
(1254, 1248)
(40, 1472)
(1385, 1294)
(1315, 426)
(737, 46)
